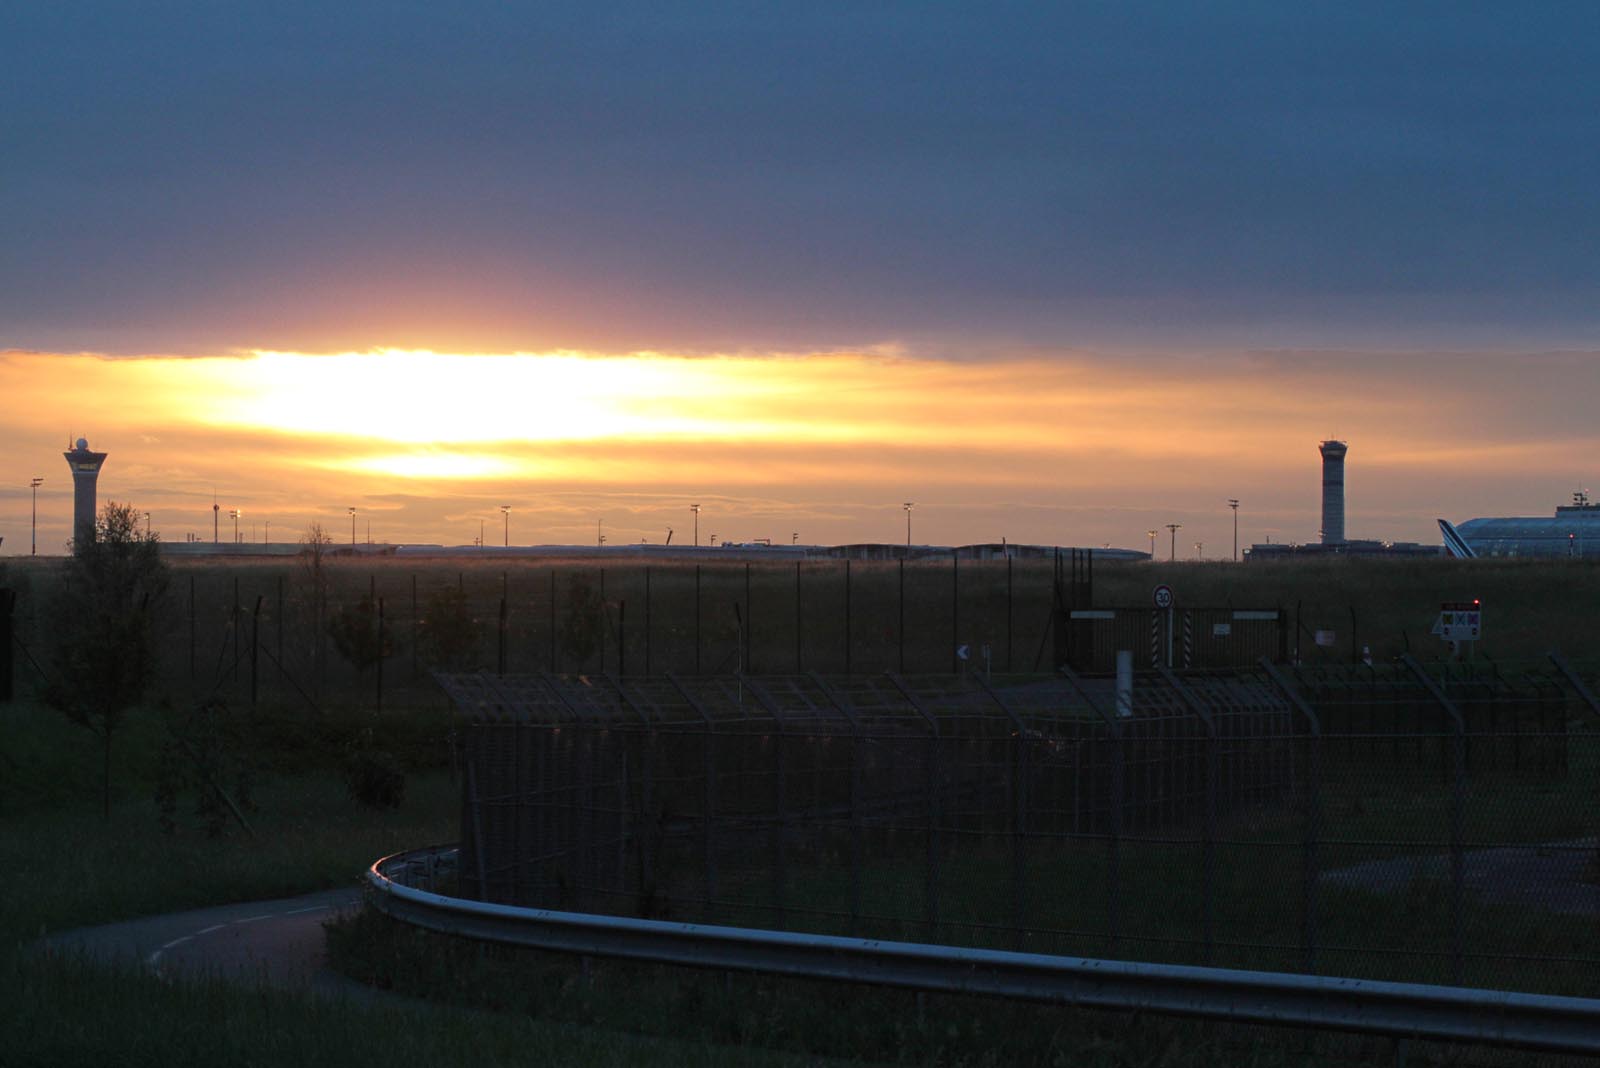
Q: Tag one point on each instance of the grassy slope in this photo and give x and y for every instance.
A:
(67, 867)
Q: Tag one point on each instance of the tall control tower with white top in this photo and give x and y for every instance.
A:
(85, 474)
(1333, 453)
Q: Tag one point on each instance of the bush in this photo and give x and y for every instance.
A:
(372, 775)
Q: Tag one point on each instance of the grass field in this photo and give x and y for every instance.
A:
(769, 618)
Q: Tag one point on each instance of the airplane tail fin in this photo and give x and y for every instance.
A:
(1454, 543)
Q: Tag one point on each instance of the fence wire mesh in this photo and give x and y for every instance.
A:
(1401, 822)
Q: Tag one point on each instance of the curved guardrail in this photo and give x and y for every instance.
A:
(1498, 1017)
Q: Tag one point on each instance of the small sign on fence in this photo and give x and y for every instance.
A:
(1459, 621)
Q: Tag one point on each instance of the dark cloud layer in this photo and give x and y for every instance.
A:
(190, 176)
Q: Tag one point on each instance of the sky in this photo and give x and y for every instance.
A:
(1056, 273)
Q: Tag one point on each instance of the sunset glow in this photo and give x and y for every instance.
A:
(1055, 450)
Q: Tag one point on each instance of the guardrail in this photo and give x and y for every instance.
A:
(1405, 1010)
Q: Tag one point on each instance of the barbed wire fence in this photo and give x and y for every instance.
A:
(1417, 822)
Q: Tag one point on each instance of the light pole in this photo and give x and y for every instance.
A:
(1173, 528)
(233, 513)
(600, 532)
(908, 506)
(695, 508)
(147, 526)
(352, 526)
(1152, 535)
(505, 512)
(1233, 502)
(35, 483)
(1200, 550)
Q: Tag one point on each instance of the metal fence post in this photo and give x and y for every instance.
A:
(1113, 726)
(255, 650)
(379, 684)
(799, 629)
(1208, 842)
(1310, 876)
(955, 613)
(900, 631)
(847, 642)
(500, 637)
(1458, 806)
(475, 817)
(708, 800)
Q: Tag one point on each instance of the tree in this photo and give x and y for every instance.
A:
(357, 635)
(105, 656)
(449, 634)
(584, 627)
(314, 548)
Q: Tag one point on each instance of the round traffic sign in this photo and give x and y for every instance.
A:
(1163, 596)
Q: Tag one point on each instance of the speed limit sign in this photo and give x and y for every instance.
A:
(1163, 596)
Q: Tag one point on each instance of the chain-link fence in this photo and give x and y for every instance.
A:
(348, 631)
(1402, 822)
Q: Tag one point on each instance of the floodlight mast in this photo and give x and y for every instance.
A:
(1173, 529)
(695, 508)
(1233, 502)
(908, 505)
(352, 526)
(505, 512)
(35, 484)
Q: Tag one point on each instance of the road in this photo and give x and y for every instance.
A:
(276, 942)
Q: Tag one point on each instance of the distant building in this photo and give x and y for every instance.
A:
(85, 476)
(1574, 531)
(1333, 541)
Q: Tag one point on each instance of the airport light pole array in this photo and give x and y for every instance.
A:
(35, 484)
(1233, 502)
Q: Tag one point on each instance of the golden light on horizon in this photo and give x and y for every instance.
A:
(429, 398)
(423, 434)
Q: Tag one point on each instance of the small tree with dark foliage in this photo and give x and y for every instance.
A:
(449, 634)
(105, 657)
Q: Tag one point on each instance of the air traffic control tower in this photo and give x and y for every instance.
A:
(1333, 491)
(85, 474)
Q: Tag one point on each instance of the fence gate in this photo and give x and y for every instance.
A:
(1177, 637)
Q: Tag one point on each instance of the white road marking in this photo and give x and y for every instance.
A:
(156, 956)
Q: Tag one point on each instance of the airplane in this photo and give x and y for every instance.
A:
(1454, 543)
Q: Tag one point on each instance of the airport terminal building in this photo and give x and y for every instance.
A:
(1574, 531)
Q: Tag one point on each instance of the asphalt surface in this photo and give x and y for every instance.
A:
(278, 943)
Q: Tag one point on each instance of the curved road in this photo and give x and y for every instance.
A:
(279, 943)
